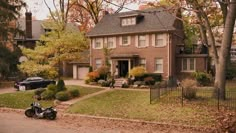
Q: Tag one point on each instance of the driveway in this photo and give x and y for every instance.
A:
(7, 90)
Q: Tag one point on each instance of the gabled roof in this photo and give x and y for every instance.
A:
(153, 20)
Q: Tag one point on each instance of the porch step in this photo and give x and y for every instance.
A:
(119, 82)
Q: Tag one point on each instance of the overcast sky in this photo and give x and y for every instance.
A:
(40, 11)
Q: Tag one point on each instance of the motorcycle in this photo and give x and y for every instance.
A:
(36, 111)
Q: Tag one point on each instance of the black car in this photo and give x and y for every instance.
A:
(33, 83)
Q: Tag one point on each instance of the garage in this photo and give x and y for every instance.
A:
(80, 72)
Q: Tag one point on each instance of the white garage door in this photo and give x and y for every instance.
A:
(82, 72)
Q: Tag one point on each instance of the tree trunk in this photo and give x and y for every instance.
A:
(221, 66)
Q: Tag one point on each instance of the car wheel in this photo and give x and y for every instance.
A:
(27, 87)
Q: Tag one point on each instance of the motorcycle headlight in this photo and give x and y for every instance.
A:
(55, 110)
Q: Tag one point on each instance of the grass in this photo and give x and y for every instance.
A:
(84, 90)
(135, 105)
(22, 100)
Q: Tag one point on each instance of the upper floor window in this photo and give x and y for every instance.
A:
(159, 65)
(143, 62)
(98, 43)
(98, 63)
(110, 43)
(124, 40)
(141, 41)
(188, 64)
(128, 21)
(159, 40)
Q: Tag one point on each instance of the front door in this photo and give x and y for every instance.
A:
(123, 67)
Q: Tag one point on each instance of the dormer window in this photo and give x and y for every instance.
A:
(128, 21)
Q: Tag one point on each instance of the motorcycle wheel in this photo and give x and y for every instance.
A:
(51, 116)
(29, 113)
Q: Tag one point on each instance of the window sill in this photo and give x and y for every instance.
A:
(159, 46)
(97, 48)
(142, 47)
(159, 72)
(188, 71)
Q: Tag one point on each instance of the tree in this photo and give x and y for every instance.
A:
(51, 50)
(9, 11)
(89, 12)
(208, 14)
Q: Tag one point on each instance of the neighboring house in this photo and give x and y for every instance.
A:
(33, 29)
(150, 38)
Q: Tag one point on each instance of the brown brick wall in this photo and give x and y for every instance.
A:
(150, 53)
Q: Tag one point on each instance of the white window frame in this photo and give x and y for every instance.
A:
(159, 37)
(160, 62)
(97, 40)
(142, 62)
(110, 42)
(98, 63)
(128, 21)
(122, 41)
(144, 41)
(188, 62)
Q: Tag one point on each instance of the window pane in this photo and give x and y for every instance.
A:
(159, 65)
(124, 39)
(97, 43)
(98, 63)
(159, 40)
(110, 42)
(142, 41)
(143, 63)
(191, 63)
(185, 64)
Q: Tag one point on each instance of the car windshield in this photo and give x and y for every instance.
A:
(34, 78)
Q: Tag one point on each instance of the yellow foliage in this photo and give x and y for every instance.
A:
(137, 71)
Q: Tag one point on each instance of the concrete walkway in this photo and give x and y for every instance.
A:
(62, 106)
(70, 102)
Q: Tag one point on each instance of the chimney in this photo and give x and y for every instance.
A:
(28, 25)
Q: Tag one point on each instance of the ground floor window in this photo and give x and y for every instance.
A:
(143, 63)
(188, 64)
(98, 63)
(159, 65)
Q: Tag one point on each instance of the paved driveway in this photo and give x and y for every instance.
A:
(7, 90)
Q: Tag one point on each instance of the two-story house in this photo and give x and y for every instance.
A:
(150, 38)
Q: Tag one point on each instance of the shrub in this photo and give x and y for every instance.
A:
(157, 77)
(39, 91)
(139, 83)
(162, 84)
(230, 73)
(61, 85)
(62, 96)
(202, 78)
(52, 87)
(74, 92)
(103, 72)
(101, 81)
(86, 80)
(106, 84)
(189, 89)
(47, 95)
(137, 71)
(125, 85)
(149, 81)
(93, 75)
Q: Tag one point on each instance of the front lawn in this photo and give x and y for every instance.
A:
(20, 100)
(23, 100)
(136, 105)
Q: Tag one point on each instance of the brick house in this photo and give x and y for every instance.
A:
(151, 38)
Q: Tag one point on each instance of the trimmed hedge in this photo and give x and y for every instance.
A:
(47, 95)
(61, 85)
(39, 91)
(74, 92)
(62, 96)
(155, 76)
